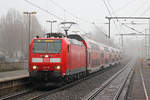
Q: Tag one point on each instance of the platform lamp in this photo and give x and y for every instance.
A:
(51, 21)
(29, 15)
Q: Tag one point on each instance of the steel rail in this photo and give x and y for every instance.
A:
(122, 86)
(98, 90)
(64, 87)
(67, 86)
(55, 90)
(16, 95)
(49, 92)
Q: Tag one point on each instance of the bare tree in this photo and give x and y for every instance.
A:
(14, 33)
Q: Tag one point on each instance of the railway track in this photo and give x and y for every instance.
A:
(40, 94)
(65, 87)
(16, 95)
(112, 88)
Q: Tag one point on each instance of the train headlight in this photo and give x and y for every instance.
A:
(46, 55)
(34, 67)
(57, 67)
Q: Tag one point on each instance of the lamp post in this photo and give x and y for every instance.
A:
(29, 14)
(53, 21)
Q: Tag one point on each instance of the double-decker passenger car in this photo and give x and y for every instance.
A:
(62, 59)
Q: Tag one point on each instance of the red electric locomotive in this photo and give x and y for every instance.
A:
(55, 59)
(65, 58)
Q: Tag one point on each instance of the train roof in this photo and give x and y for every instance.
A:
(88, 41)
(59, 35)
(77, 37)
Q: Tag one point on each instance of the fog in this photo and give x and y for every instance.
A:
(14, 34)
(14, 41)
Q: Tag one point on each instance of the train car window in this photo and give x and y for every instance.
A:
(106, 61)
(106, 49)
(110, 55)
(95, 62)
(113, 51)
(89, 57)
(94, 46)
(102, 55)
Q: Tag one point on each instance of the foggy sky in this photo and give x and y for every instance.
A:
(89, 10)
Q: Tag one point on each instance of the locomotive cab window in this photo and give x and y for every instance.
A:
(47, 46)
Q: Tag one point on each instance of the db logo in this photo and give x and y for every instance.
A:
(46, 60)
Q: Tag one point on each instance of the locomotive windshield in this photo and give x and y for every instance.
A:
(47, 46)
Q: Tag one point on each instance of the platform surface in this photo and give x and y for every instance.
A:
(11, 75)
(140, 84)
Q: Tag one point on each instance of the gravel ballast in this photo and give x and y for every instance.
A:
(79, 91)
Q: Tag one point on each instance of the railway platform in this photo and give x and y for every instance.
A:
(140, 83)
(12, 75)
(13, 81)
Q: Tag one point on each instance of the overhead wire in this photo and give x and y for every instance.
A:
(110, 11)
(113, 13)
(52, 14)
(124, 6)
(140, 7)
(42, 9)
(124, 24)
(70, 13)
(107, 7)
(111, 7)
(118, 20)
(133, 29)
(37, 6)
(64, 9)
(140, 15)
